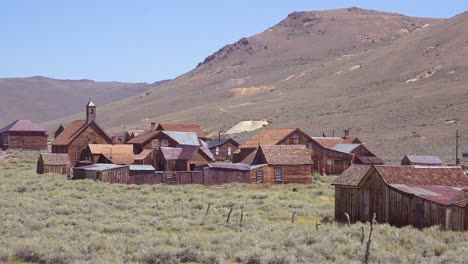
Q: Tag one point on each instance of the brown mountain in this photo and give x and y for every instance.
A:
(40, 98)
(398, 81)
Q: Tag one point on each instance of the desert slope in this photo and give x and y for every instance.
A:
(398, 81)
(40, 98)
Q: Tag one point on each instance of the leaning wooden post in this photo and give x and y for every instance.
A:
(242, 215)
(229, 215)
(362, 234)
(292, 218)
(208, 209)
(348, 219)
(317, 225)
(368, 246)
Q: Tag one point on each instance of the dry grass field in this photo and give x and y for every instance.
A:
(49, 219)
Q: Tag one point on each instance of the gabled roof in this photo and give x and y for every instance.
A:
(346, 147)
(55, 159)
(216, 142)
(249, 159)
(135, 132)
(269, 136)
(73, 130)
(117, 154)
(419, 159)
(353, 175)
(183, 128)
(90, 103)
(22, 126)
(184, 138)
(446, 176)
(331, 142)
(286, 154)
(184, 152)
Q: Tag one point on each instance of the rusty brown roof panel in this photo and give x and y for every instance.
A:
(435, 193)
(286, 154)
(68, 132)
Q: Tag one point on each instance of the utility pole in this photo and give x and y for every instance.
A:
(457, 160)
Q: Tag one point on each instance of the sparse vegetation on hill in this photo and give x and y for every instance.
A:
(49, 219)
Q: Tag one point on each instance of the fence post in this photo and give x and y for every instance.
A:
(208, 209)
(229, 215)
(348, 220)
(242, 215)
(369, 241)
(292, 218)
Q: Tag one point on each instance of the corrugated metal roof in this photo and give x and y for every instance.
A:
(436, 193)
(345, 147)
(184, 138)
(196, 128)
(100, 167)
(22, 125)
(134, 167)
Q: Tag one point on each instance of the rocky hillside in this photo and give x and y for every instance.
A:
(399, 82)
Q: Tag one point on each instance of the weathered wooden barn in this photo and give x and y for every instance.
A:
(285, 164)
(110, 173)
(53, 163)
(221, 173)
(421, 160)
(333, 155)
(106, 153)
(183, 158)
(270, 136)
(223, 148)
(402, 195)
(23, 134)
(76, 136)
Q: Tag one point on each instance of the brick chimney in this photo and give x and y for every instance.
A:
(153, 126)
(346, 133)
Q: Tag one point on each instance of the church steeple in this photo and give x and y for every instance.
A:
(90, 111)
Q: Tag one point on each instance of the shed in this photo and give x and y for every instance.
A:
(421, 160)
(222, 172)
(111, 173)
(285, 164)
(144, 174)
(421, 196)
(23, 134)
(53, 163)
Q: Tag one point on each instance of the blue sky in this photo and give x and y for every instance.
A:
(146, 41)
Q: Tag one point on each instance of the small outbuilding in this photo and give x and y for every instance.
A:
(421, 160)
(55, 163)
(285, 164)
(23, 134)
(110, 173)
(403, 195)
(144, 174)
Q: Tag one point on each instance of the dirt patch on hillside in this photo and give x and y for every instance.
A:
(246, 126)
(249, 91)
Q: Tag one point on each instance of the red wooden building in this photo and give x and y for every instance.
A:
(285, 164)
(183, 158)
(53, 163)
(23, 134)
(76, 136)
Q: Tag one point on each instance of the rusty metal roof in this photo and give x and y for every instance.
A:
(435, 193)
(22, 126)
(184, 138)
(196, 128)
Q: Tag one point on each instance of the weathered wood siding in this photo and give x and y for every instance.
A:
(24, 140)
(350, 201)
(218, 176)
(291, 174)
(332, 162)
(223, 151)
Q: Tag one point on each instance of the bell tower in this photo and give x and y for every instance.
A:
(90, 111)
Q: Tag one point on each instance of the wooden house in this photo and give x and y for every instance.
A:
(180, 127)
(53, 163)
(403, 195)
(270, 136)
(223, 148)
(58, 131)
(107, 153)
(76, 136)
(183, 158)
(23, 134)
(333, 155)
(421, 160)
(285, 164)
(110, 173)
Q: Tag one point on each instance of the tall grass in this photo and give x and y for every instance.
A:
(49, 219)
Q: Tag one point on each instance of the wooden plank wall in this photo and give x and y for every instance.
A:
(29, 140)
(291, 174)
